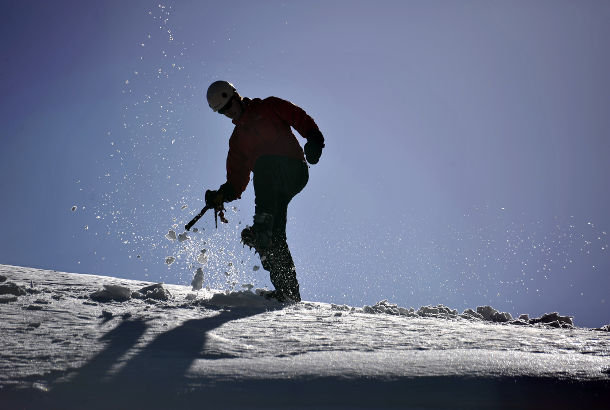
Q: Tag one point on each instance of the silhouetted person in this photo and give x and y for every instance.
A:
(263, 143)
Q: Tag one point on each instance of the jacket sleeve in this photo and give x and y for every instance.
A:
(297, 118)
(238, 171)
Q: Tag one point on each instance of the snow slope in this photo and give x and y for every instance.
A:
(64, 346)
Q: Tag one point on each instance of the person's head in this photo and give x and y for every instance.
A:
(224, 99)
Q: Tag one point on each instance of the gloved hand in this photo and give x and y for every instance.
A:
(314, 145)
(313, 151)
(213, 199)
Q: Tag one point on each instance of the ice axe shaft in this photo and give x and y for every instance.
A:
(197, 217)
(218, 211)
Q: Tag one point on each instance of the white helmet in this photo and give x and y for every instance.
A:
(219, 93)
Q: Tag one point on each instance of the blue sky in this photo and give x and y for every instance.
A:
(466, 159)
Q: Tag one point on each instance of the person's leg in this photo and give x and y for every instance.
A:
(276, 181)
(294, 176)
(266, 191)
(282, 271)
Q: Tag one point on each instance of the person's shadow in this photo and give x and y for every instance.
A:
(155, 375)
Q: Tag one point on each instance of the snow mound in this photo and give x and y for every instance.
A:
(10, 288)
(388, 308)
(240, 299)
(483, 313)
(471, 314)
(492, 315)
(112, 293)
(438, 311)
(385, 307)
(554, 320)
(153, 292)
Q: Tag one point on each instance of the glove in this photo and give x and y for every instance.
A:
(228, 192)
(213, 199)
(313, 151)
(314, 145)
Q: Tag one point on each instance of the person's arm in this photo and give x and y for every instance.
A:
(298, 119)
(238, 174)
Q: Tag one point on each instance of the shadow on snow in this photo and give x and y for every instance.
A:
(156, 377)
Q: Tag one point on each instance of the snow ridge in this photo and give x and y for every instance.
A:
(74, 341)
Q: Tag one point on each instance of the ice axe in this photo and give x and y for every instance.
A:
(219, 210)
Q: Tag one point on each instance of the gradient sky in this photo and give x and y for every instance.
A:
(466, 160)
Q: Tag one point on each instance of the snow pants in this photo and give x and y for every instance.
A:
(277, 180)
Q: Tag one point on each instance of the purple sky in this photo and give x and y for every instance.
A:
(466, 160)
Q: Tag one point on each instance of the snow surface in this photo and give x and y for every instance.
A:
(85, 341)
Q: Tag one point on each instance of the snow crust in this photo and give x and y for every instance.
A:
(58, 338)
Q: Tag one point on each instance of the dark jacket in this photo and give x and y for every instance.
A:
(264, 129)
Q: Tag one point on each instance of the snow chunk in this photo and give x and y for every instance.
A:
(119, 292)
(519, 322)
(107, 315)
(554, 319)
(471, 314)
(10, 288)
(156, 292)
(436, 311)
(110, 293)
(492, 315)
(240, 299)
(202, 258)
(169, 260)
(171, 235)
(388, 308)
(342, 308)
(197, 282)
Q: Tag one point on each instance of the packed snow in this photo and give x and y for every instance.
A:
(85, 341)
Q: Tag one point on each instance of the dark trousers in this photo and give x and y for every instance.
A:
(276, 181)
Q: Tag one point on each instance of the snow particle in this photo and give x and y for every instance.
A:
(171, 235)
(197, 282)
(202, 258)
